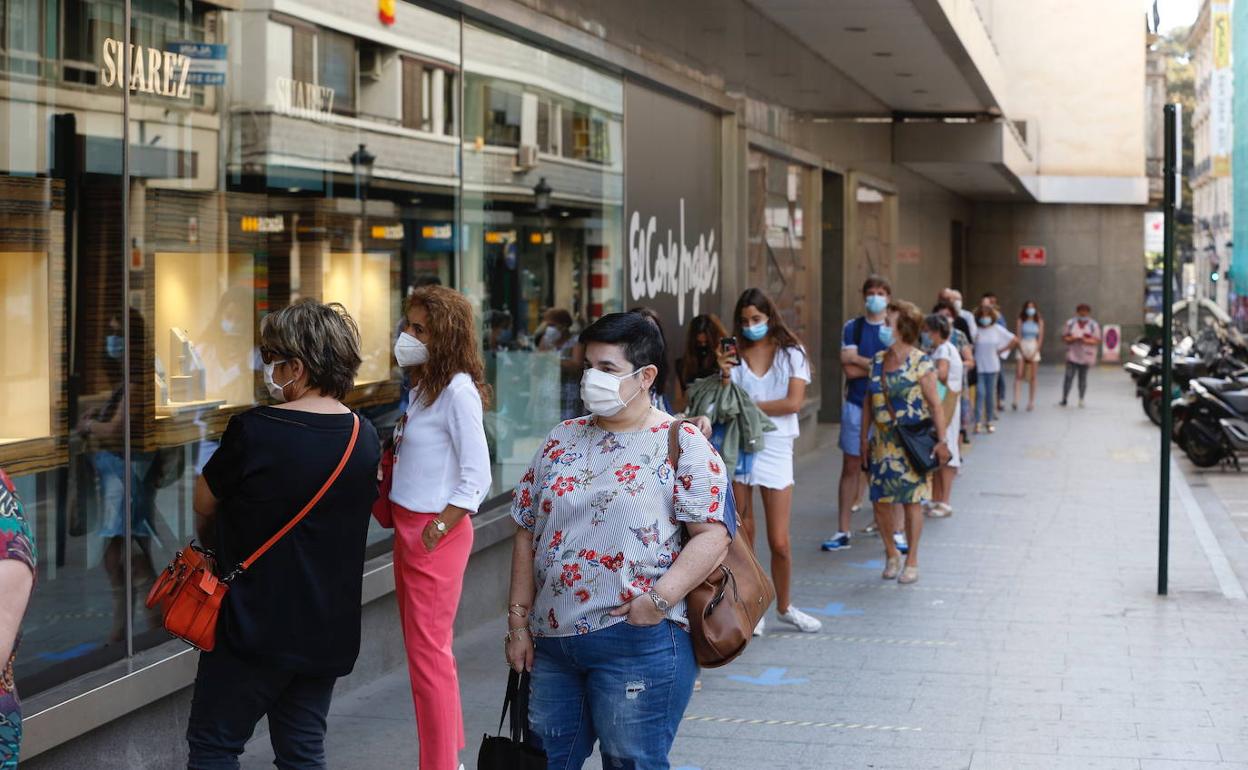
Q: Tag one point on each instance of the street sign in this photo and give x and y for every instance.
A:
(908, 255)
(208, 63)
(1032, 256)
(1111, 344)
(1154, 232)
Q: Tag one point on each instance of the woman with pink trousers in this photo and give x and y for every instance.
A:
(441, 474)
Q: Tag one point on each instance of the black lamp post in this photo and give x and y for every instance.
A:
(362, 165)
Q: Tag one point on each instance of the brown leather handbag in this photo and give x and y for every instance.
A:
(188, 591)
(725, 608)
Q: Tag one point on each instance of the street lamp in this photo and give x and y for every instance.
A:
(362, 166)
(541, 196)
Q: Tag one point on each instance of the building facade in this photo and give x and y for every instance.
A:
(1212, 188)
(172, 171)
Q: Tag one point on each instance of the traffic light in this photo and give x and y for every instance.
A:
(1214, 276)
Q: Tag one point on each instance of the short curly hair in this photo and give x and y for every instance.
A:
(323, 336)
(909, 320)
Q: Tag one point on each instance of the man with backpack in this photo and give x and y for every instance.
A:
(860, 341)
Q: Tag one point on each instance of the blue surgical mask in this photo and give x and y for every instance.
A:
(114, 345)
(876, 304)
(985, 320)
(887, 337)
(756, 332)
(1031, 312)
(925, 341)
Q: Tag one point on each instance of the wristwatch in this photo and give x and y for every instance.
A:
(440, 526)
(660, 604)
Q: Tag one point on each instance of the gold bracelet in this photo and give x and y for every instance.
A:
(518, 610)
(512, 633)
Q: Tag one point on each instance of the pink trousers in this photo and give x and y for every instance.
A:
(428, 586)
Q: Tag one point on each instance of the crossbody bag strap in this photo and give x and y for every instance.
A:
(888, 401)
(673, 445)
(346, 455)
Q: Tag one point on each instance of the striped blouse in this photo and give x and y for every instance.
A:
(606, 511)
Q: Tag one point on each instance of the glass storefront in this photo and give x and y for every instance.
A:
(268, 156)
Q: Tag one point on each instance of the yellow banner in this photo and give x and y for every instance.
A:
(1221, 40)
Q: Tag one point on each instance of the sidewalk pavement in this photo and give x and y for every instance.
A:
(1034, 638)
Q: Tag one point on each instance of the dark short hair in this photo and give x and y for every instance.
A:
(1083, 306)
(637, 336)
(938, 323)
(876, 282)
(323, 336)
(560, 317)
(945, 304)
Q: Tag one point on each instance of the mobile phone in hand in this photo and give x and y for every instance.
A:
(729, 347)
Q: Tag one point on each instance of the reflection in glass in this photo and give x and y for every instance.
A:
(541, 271)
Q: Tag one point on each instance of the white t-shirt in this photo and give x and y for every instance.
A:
(774, 384)
(442, 455)
(988, 344)
(947, 352)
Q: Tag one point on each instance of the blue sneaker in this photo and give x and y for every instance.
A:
(899, 539)
(838, 542)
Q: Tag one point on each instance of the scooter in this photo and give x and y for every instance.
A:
(1214, 421)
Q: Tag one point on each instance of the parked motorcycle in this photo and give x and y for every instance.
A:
(1214, 421)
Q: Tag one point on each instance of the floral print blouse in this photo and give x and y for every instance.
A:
(606, 510)
(15, 543)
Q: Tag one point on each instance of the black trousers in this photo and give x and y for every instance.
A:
(231, 695)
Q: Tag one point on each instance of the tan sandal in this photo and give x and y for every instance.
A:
(892, 568)
(909, 575)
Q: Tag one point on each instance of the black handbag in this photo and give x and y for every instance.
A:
(516, 752)
(918, 439)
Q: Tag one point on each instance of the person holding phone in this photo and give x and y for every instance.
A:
(774, 371)
(1082, 336)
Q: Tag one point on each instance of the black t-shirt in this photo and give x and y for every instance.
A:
(298, 607)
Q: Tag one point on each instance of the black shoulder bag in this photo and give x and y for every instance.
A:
(918, 439)
(514, 753)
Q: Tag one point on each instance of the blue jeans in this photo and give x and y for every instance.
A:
(231, 695)
(986, 397)
(625, 686)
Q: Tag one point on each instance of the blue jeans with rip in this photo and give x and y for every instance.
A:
(625, 686)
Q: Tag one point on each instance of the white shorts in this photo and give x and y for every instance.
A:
(773, 467)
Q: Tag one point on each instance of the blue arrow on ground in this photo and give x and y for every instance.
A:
(772, 677)
(872, 564)
(833, 610)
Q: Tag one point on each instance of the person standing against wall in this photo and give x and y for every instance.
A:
(1082, 336)
(441, 475)
(860, 341)
(774, 371)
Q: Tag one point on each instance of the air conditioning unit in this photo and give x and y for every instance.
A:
(526, 157)
(372, 60)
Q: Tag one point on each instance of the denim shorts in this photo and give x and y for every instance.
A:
(851, 429)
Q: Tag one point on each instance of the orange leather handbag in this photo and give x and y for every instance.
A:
(188, 591)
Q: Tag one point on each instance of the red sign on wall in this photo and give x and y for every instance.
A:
(1032, 256)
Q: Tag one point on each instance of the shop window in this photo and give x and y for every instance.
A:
(23, 33)
(85, 25)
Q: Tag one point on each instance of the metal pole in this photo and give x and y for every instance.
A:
(1171, 173)
(127, 485)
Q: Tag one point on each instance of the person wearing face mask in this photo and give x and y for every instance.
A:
(1082, 336)
(991, 342)
(609, 541)
(290, 624)
(774, 371)
(1030, 332)
(441, 473)
(860, 341)
(702, 355)
(556, 335)
(903, 388)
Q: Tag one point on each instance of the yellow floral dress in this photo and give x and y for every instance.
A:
(892, 478)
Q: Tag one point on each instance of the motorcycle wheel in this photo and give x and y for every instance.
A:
(1152, 406)
(1201, 453)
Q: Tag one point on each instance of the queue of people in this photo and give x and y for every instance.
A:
(609, 540)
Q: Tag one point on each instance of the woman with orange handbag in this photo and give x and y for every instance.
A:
(290, 624)
(439, 476)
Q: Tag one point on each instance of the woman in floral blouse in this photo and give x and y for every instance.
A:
(610, 540)
(17, 575)
(906, 377)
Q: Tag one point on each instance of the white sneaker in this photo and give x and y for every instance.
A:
(761, 627)
(803, 622)
(899, 540)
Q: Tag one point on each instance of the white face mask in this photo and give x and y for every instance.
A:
(601, 392)
(278, 392)
(957, 305)
(409, 351)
